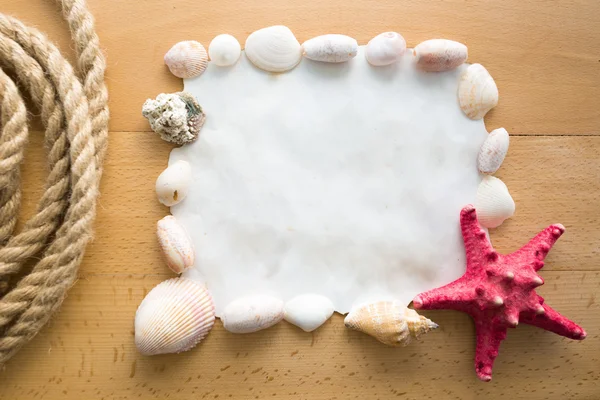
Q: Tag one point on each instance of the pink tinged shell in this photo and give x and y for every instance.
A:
(437, 55)
(174, 317)
(187, 59)
(492, 151)
(252, 314)
(477, 92)
(175, 244)
(493, 202)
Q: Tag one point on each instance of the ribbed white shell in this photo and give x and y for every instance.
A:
(308, 311)
(175, 316)
(493, 150)
(273, 49)
(175, 244)
(331, 48)
(493, 202)
(385, 49)
(252, 313)
(477, 92)
(437, 55)
(187, 59)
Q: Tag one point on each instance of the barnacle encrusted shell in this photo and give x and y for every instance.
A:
(331, 48)
(492, 151)
(175, 316)
(273, 49)
(175, 244)
(477, 92)
(385, 49)
(390, 322)
(176, 117)
(173, 184)
(187, 59)
(493, 202)
(308, 311)
(252, 313)
(437, 55)
(224, 50)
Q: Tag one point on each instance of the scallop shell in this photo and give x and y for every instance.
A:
(492, 151)
(477, 92)
(187, 59)
(308, 311)
(224, 50)
(437, 55)
(390, 322)
(175, 244)
(385, 49)
(174, 317)
(273, 49)
(330, 48)
(493, 202)
(251, 314)
(172, 185)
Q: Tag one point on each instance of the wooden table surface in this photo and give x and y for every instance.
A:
(545, 57)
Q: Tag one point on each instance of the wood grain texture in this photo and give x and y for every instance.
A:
(546, 61)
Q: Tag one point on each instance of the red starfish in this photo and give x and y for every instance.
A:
(498, 291)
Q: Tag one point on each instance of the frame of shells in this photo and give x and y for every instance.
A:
(178, 313)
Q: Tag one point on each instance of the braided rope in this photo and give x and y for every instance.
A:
(75, 115)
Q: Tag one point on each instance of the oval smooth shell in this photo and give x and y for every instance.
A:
(273, 49)
(175, 244)
(385, 49)
(224, 50)
(187, 59)
(252, 314)
(477, 92)
(174, 317)
(437, 55)
(493, 202)
(332, 48)
(308, 311)
(492, 151)
(172, 185)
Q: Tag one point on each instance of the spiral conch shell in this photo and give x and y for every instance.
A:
(437, 55)
(390, 322)
(252, 314)
(187, 59)
(273, 49)
(332, 48)
(175, 244)
(385, 49)
(174, 317)
(477, 92)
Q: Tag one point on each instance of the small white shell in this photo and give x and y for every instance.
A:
(493, 202)
(172, 185)
(477, 92)
(437, 55)
(224, 50)
(251, 314)
(308, 311)
(273, 49)
(330, 48)
(385, 49)
(175, 244)
(187, 59)
(492, 151)
(175, 316)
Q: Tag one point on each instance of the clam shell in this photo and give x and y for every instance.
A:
(172, 185)
(385, 49)
(390, 322)
(174, 317)
(175, 244)
(224, 50)
(273, 49)
(187, 59)
(492, 151)
(437, 55)
(308, 311)
(251, 314)
(493, 202)
(477, 92)
(330, 48)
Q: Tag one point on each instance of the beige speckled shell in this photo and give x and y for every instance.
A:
(493, 202)
(477, 92)
(390, 322)
(437, 55)
(175, 244)
(492, 151)
(332, 48)
(187, 59)
(252, 314)
(174, 317)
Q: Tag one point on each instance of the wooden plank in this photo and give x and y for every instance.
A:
(88, 352)
(544, 57)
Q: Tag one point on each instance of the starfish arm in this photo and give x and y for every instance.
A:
(453, 296)
(477, 246)
(536, 250)
(553, 321)
(489, 337)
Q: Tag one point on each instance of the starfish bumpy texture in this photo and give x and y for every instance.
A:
(498, 291)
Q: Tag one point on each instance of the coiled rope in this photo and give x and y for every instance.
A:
(75, 115)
